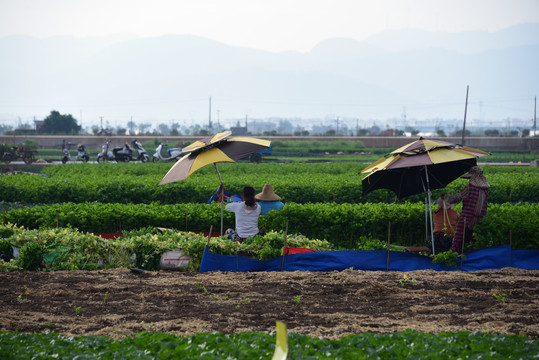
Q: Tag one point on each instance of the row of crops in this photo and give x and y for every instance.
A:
(343, 225)
(57, 211)
(323, 201)
(257, 345)
(69, 249)
(294, 182)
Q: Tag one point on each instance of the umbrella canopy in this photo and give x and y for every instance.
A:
(420, 166)
(213, 149)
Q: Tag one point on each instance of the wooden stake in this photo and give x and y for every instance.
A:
(186, 212)
(207, 243)
(388, 242)
(237, 256)
(510, 237)
(4, 217)
(462, 248)
(209, 235)
(57, 219)
(120, 224)
(284, 245)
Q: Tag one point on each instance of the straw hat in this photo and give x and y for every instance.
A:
(477, 179)
(267, 194)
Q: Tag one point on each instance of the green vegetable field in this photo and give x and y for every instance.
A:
(50, 217)
(253, 345)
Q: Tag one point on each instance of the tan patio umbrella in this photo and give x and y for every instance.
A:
(420, 166)
(221, 147)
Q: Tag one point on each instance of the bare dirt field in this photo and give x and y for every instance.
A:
(121, 302)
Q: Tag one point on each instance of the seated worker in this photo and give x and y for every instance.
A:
(247, 212)
(268, 199)
(445, 221)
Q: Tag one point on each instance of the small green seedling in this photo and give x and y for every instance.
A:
(500, 297)
(199, 285)
(407, 281)
(297, 299)
(26, 293)
(244, 302)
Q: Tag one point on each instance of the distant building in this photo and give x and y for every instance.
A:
(239, 130)
(38, 124)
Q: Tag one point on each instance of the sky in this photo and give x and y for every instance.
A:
(272, 25)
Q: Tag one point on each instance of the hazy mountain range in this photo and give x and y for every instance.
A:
(418, 73)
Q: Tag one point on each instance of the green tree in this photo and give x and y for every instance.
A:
(492, 132)
(57, 123)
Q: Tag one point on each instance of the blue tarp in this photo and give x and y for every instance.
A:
(489, 258)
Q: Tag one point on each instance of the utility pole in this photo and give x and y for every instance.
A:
(210, 116)
(535, 118)
(465, 109)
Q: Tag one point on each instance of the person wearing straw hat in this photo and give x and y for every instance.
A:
(474, 199)
(445, 220)
(268, 199)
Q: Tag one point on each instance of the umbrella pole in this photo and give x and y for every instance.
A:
(426, 219)
(222, 196)
(430, 210)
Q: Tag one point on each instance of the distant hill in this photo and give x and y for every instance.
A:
(424, 74)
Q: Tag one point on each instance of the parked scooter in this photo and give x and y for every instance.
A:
(117, 154)
(142, 154)
(173, 153)
(82, 155)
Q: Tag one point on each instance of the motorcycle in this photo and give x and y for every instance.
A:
(82, 155)
(117, 154)
(142, 154)
(173, 154)
(18, 152)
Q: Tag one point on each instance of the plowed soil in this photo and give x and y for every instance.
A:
(121, 302)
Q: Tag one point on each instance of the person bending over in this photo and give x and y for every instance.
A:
(474, 199)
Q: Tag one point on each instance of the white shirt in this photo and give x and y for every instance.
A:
(246, 218)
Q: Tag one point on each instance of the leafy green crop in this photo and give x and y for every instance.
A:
(341, 224)
(258, 345)
(31, 256)
(68, 249)
(294, 182)
(5, 247)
